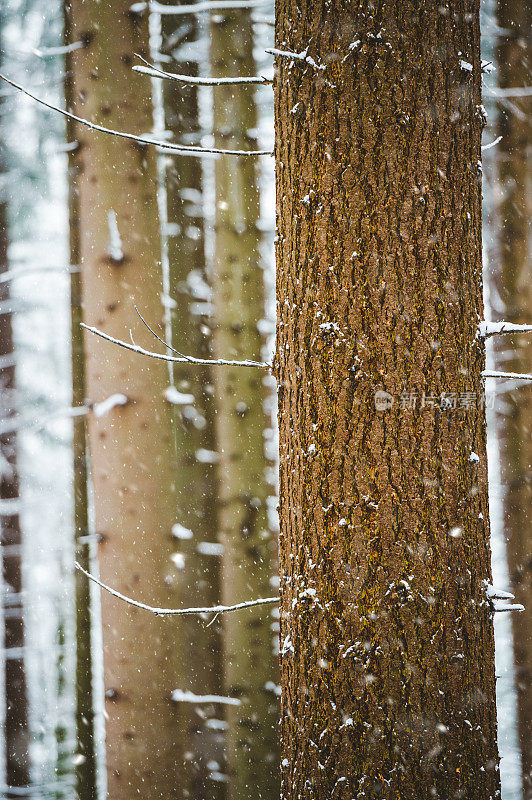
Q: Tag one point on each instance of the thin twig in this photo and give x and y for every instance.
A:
(162, 341)
(489, 373)
(164, 612)
(155, 72)
(145, 140)
(176, 359)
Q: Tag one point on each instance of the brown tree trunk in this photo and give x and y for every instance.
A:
(241, 396)
(386, 633)
(195, 478)
(514, 280)
(86, 786)
(131, 447)
(16, 714)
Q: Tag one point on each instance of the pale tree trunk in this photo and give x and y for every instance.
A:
(16, 704)
(195, 479)
(241, 395)
(86, 786)
(514, 283)
(388, 686)
(131, 447)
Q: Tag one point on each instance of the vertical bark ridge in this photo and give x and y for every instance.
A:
(386, 635)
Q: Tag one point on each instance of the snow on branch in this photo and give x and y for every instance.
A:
(42, 52)
(14, 274)
(153, 72)
(513, 91)
(487, 329)
(195, 8)
(164, 612)
(489, 373)
(225, 362)
(169, 147)
(180, 696)
(491, 144)
(302, 56)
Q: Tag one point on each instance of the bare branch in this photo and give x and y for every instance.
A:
(168, 147)
(487, 329)
(155, 72)
(513, 91)
(195, 8)
(164, 612)
(176, 359)
(19, 423)
(488, 373)
(13, 274)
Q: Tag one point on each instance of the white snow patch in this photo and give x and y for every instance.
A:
(178, 398)
(180, 532)
(103, 408)
(180, 696)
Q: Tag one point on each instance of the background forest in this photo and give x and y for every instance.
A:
(190, 237)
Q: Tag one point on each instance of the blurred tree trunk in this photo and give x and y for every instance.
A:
(194, 426)
(16, 714)
(131, 447)
(514, 283)
(86, 784)
(386, 633)
(249, 548)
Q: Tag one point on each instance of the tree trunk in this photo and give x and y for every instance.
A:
(515, 289)
(131, 447)
(386, 632)
(241, 395)
(86, 784)
(204, 759)
(16, 713)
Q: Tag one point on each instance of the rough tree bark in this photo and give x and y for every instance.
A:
(86, 786)
(241, 395)
(195, 478)
(16, 705)
(386, 633)
(514, 283)
(131, 447)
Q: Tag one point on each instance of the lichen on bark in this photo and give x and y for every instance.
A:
(386, 634)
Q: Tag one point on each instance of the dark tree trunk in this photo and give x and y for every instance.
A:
(195, 478)
(242, 395)
(16, 719)
(86, 785)
(514, 279)
(386, 633)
